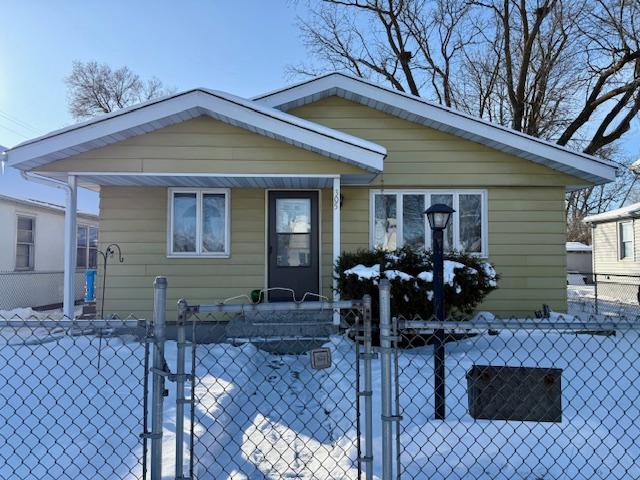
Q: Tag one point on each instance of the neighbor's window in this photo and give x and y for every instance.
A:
(626, 240)
(199, 222)
(398, 219)
(25, 243)
(87, 247)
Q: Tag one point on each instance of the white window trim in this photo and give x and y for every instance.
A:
(33, 244)
(632, 257)
(427, 193)
(199, 193)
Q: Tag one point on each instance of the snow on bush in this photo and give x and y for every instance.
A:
(467, 279)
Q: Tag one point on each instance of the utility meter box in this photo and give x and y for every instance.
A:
(515, 393)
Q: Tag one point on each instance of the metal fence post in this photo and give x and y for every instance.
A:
(385, 370)
(157, 398)
(595, 291)
(368, 401)
(180, 381)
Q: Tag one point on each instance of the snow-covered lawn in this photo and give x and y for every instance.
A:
(613, 300)
(268, 416)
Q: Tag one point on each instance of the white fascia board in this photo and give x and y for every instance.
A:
(630, 211)
(219, 105)
(436, 116)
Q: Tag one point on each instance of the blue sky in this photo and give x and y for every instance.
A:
(240, 46)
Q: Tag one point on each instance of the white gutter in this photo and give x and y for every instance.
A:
(70, 226)
(51, 182)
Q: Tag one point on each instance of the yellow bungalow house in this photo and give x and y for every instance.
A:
(224, 195)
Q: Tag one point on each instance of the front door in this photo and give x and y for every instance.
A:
(293, 249)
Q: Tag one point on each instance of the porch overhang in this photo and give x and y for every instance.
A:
(95, 180)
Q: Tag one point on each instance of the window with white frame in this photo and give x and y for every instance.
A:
(87, 247)
(625, 236)
(198, 222)
(397, 219)
(25, 242)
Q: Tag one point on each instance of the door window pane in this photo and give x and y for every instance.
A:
(413, 221)
(385, 222)
(184, 222)
(294, 250)
(213, 222)
(446, 199)
(470, 215)
(293, 215)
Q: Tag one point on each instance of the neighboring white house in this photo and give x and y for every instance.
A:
(616, 237)
(32, 252)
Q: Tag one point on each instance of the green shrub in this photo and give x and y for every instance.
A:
(468, 280)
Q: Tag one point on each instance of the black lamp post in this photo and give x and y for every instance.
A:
(439, 216)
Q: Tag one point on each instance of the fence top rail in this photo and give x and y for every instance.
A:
(68, 323)
(275, 306)
(606, 274)
(576, 325)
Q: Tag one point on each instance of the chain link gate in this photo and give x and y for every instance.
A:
(270, 389)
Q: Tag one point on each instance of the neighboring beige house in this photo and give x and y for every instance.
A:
(224, 195)
(31, 252)
(615, 235)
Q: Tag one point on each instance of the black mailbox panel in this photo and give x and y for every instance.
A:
(515, 393)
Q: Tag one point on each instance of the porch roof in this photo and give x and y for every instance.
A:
(93, 180)
(159, 113)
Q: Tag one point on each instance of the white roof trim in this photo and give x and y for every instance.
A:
(177, 108)
(433, 115)
(630, 211)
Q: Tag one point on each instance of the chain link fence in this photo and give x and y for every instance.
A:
(36, 289)
(72, 399)
(308, 390)
(521, 399)
(604, 294)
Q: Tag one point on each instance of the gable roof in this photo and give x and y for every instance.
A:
(162, 112)
(630, 211)
(439, 117)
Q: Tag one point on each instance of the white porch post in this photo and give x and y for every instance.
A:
(70, 247)
(336, 243)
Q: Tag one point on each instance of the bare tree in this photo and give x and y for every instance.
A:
(564, 70)
(95, 88)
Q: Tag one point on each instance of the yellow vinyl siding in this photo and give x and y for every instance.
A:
(527, 229)
(144, 247)
(141, 232)
(526, 226)
(525, 244)
(201, 145)
(420, 156)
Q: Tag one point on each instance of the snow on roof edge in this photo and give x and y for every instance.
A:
(624, 212)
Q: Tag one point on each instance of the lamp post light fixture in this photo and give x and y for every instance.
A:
(439, 216)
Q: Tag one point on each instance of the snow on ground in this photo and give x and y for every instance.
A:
(613, 300)
(28, 313)
(268, 416)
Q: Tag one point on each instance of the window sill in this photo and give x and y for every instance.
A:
(196, 255)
